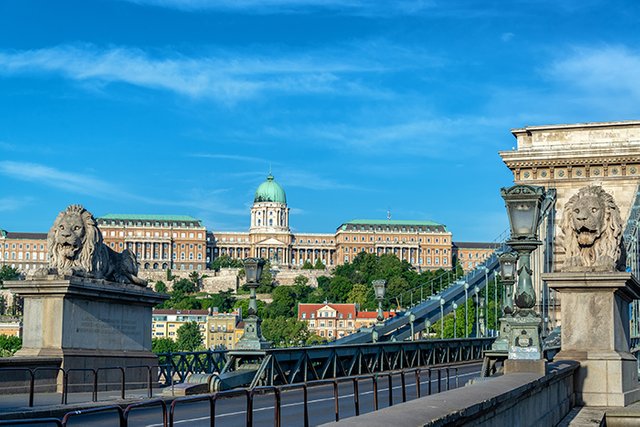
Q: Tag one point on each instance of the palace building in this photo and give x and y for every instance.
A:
(182, 243)
(424, 244)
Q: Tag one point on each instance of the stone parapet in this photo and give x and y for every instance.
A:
(595, 332)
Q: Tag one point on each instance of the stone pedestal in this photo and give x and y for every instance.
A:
(595, 332)
(89, 324)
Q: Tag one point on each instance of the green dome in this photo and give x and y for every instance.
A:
(270, 191)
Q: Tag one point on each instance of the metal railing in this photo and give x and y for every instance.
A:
(93, 385)
(175, 367)
(435, 379)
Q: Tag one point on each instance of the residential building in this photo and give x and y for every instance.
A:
(218, 329)
(333, 321)
(10, 326)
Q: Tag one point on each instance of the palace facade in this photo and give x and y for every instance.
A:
(182, 243)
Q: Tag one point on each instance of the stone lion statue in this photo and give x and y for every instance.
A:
(76, 248)
(592, 229)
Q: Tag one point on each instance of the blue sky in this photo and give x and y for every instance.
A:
(181, 106)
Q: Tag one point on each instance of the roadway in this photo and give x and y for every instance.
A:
(231, 412)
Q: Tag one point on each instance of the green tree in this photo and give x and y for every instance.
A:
(163, 345)
(301, 280)
(307, 265)
(359, 294)
(319, 265)
(189, 337)
(9, 345)
(8, 273)
(225, 261)
(285, 331)
(160, 287)
(184, 287)
(243, 304)
(339, 289)
(223, 300)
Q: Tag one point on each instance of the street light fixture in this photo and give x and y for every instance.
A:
(523, 203)
(477, 300)
(454, 306)
(252, 338)
(466, 309)
(442, 317)
(379, 286)
(508, 275)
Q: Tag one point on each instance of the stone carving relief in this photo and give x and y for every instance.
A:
(592, 229)
(76, 248)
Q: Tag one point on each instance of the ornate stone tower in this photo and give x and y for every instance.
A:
(269, 230)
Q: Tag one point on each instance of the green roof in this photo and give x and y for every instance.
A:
(132, 217)
(390, 222)
(270, 191)
(393, 223)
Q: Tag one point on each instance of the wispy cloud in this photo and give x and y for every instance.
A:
(14, 203)
(229, 157)
(87, 185)
(420, 135)
(605, 69)
(73, 182)
(313, 181)
(224, 76)
(355, 7)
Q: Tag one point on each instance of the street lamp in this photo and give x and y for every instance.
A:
(427, 328)
(454, 306)
(412, 318)
(466, 309)
(477, 300)
(523, 203)
(442, 317)
(508, 275)
(252, 338)
(379, 286)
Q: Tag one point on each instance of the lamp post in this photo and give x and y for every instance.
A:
(523, 203)
(466, 309)
(477, 301)
(442, 317)
(379, 286)
(507, 277)
(454, 306)
(252, 338)
(427, 328)
(412, 318)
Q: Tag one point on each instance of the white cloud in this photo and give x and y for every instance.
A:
(87, 185)
(14, 203)
(600, 70)
(224, 76)
(355, 7)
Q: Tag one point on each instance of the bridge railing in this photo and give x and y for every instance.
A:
(175, 367)
(423, 381)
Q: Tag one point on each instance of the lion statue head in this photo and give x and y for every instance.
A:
(73, 239)
(592, 229)
(76, 248)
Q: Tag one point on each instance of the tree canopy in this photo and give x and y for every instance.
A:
(189, 337)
